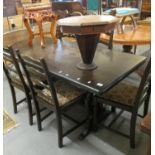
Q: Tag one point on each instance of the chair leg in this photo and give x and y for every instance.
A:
(146, 104)
(132, 129)
(113, 109)
(60, 139)
(13, 93)
(60, 130)
(37, 110)
(30, 113)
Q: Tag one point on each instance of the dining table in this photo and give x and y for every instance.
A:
(62, 58)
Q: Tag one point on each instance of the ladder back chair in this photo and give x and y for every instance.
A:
(16, 80)
(127, 97)
(55, 95)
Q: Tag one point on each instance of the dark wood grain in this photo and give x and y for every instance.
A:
(63, 58)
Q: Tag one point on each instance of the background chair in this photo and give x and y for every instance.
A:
(16, 80)
(71, 7)
(146, 9)
(55, 95)
(67, 9)
(129, 98)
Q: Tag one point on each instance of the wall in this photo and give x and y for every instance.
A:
(9, 7)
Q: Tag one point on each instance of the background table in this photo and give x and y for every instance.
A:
(39, 12)
(87, 30)
(141, 35)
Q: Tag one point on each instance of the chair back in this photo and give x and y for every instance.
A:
(144, 89)
(12, 69)
(70, 7)
(39, 81)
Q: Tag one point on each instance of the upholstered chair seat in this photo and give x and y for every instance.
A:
(123, 93)
(65, 93)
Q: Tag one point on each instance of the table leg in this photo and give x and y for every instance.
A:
(39, 22)
(89, 105)
(96, 114)
(31, 35)
(52, 31)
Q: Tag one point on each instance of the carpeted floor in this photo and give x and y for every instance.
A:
(8, 122)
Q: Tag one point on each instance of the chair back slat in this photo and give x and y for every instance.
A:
(145, 86)
(7, 56)
(12, 69)
(38, 80)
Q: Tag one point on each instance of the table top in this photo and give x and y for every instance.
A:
(63, 58)
(141, 35)
(87, 20)
(87, 25)
(121, 12)
(37, 6)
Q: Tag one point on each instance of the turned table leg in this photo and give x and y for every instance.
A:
(40, 27)
(52, 30)
(31, 35)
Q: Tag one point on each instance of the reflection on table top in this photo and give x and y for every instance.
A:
(62, 60)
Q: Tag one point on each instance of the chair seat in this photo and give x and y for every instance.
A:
(65, 93)
(123, 93)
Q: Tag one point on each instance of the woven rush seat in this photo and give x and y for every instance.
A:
(65, 93)
(123, 93)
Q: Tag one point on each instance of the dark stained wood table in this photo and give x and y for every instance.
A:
(63, 58)
(87, 30)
